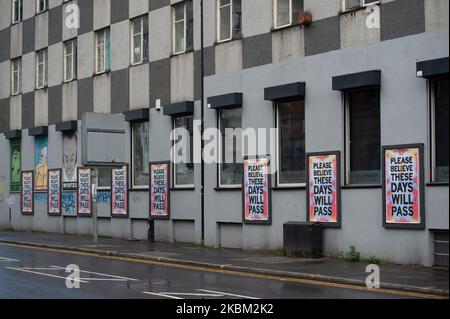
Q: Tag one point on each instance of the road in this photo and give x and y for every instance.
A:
(38, 273)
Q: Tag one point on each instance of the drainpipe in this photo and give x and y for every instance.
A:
(202, 73)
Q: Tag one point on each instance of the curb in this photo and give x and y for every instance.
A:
(247, 270)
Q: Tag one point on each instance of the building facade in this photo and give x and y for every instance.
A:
(362, 75)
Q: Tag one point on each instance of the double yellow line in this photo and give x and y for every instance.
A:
(237, 273)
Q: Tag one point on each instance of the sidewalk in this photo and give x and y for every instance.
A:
(405, 278)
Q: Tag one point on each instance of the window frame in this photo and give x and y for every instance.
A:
(19, 76)
(174, 22)
(362, 4)
(347, 142)
(141, 33)
(432, 131)
(133, 138)
(105, 67)
(44, 69)
(277, 148)
(220, 163)
(174, 169)
(38, 6)
(275, 15)
(13, 6)
(73, 60)
(218, 21)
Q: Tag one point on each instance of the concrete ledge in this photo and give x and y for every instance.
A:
(231, 268)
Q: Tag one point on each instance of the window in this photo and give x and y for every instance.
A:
(291, 143)
(363, 141)
(184, 170)
(41, 69)
(139, 40)
(229, 15)
(17, 10)
(440, 130)
(70, 60)
(355, 4)
(183, 28)
(104, 178)
(16, 76)
(41, 5)
(230, 167)
(140, 154)
(102, 51)
(286, 12)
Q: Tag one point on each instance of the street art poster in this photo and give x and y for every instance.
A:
(54, 192)
(70, 153)
(403, 187)
(119, 191)
(84, 193)
(159, 190)
(27, 193)
(323, 188)
(257, 191)
(16, 165)
(41, 162)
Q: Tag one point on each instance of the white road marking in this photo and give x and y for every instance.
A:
(44, 274)
(191, 294)
(227, 294)
(97, 273)
(161, 295)
(7, 260)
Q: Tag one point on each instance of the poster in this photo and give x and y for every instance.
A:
(119, 192)
(41, 160)
(54, 192)
(257, 191)
(84, 194)
(27, 193)
(70, 153)
(323, 188)
(16, 165)
(403, 187)
(159, 190)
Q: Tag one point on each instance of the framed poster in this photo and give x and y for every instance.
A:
(256, 193)
(27, 198)
(403, 187)
(41, 160)
(84, 192)
(16, 165)
(119, 191)
(323, 190)
(54, 192)
(70, 153)
(160, 190)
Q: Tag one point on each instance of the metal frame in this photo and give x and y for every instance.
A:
(32, 194)
(422, 224)
(59, 170)
(338, 224)
(127, 215)
(269, 190)
(168, 164)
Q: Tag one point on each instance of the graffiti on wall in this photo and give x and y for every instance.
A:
(103, 197)
(70, 161)
(68, 202)
(41, 160)
(16, 166)
(40, 197)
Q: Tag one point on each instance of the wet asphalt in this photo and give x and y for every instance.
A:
(30, 273)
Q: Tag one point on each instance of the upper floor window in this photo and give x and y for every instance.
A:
(139, 40)
(183, 157)
(70, 60)
(183, 27)
(355, 4)
(291, 143)
(102, 51)
(41, 69)
(439, 129)
(229, 18)
(286, 12)
(17, 10)
(16, 76)
(140, 154)
(363, 137)
(41, 5)
(230, 167)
